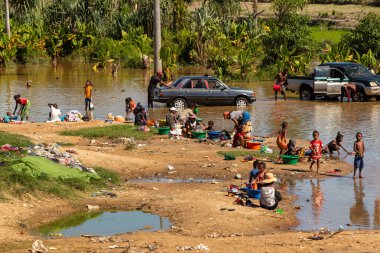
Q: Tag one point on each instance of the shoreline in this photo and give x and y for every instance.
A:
(193, 208)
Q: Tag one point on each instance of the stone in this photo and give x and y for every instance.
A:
(39, 247)
(238, 176)
(170, 167)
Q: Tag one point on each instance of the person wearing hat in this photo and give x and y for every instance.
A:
(240, 118)
(190, 126)
(270, 197)
(154, 81)
(172, 118)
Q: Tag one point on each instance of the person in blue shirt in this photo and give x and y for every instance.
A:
(254, 172)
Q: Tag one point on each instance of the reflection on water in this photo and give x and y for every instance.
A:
(332, 202)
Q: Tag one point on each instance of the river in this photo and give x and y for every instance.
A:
(333, 202)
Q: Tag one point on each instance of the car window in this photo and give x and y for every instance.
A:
(336, 73)
(214, 84)
(184, 84)
(322, 71)
(198, 84)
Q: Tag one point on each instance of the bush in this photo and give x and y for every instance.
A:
(366, 36)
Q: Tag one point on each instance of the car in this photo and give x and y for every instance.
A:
(328, 80)
(202, 90)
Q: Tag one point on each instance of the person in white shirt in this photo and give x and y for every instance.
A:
(55, 113)
(269, 196)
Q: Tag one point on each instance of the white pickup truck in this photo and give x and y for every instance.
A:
(328, 79)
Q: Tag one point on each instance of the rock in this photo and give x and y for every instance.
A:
(234, 165)
(170, 167)
(39, 247)
(238, 176)
(92, 142)
(92, 207)
(154, 188)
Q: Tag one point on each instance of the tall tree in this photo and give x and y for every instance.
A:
(157, 36)
(7, 21)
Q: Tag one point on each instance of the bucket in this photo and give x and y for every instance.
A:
(253, 145)
(163, 130)
(213, 135)
(162, 122)
(254, 194)
(290, 159)
(199, 135)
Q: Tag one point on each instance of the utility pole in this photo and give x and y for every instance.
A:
(7, 21)
(157, 36)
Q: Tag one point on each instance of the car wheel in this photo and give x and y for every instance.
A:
(359, 96)
(179, 103)
(306, 94)
(241, 102)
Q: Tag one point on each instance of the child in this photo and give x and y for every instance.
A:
(281, 140)
(8, 118)
(239, 137)
(316, 147)
(336, 144)
(130, 105)
(254, 172)
(359, 154)
(210, 127)
(270, 197)
(261, 175)
(292, 149)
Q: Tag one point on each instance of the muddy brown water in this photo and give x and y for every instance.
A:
(331, 203)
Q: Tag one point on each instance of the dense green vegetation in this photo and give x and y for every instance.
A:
(215, 34)
(110, 132)
(16, 140)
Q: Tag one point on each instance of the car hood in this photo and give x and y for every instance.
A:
(366, 78)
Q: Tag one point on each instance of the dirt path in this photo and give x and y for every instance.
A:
(193, 208)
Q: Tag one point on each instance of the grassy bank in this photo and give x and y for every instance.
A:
(247, 152)
(110, 132)
(17, 183)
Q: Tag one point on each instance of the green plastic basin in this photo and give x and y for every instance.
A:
(163, 130)
(199, 135)
(290, 159)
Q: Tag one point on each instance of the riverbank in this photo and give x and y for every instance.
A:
(193, 208)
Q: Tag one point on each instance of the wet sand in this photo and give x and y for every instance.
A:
(193, 208)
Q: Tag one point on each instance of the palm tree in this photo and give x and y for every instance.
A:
(7, 21)
(157, 36)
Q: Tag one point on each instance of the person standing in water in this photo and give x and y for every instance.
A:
(281, 82)
(154, 81)
(359, 154)
(24, 107)
(316, 147)
(87, 95)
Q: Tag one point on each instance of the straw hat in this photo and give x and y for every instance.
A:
(269, 178)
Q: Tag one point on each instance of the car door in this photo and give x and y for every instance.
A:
(218, 93)
(198, 93)
(321, 73)
(335, 82)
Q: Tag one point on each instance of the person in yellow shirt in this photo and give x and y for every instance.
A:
(87, 95)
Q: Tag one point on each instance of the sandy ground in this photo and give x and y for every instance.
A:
(193, 208)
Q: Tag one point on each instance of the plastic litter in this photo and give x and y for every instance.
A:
(199, 247)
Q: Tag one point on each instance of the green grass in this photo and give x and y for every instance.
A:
(245, 152)
(110, 132)
(322, 33)
(108, 175)
(14, 140)
(65, 144)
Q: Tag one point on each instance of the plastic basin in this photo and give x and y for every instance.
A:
(290, 159)
(213, 135)
(254, 193)
(163, 130)
(199, 135)
(199, 120)
(253, 145)
(162, 122)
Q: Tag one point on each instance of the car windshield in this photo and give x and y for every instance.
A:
(358, 70)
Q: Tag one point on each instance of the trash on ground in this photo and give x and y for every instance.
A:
(199, 247)
(39, 247)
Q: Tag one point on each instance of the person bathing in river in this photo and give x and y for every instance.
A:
(316, 147)
(292, 149)
(280, 84)
(336, 144)
(270, 197)
(24, 107)
(87, 95)
(359, 150)
(240, 118)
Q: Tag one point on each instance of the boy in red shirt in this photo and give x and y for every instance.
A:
(316, 147)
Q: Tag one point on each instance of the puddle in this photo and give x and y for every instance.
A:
(176, 180)
(104, 224)
(337, 202)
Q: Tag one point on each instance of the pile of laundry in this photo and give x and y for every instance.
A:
(57, 156)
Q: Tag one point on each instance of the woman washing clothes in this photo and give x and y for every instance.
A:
(24, 107)
(240, 118)
(270, 197)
